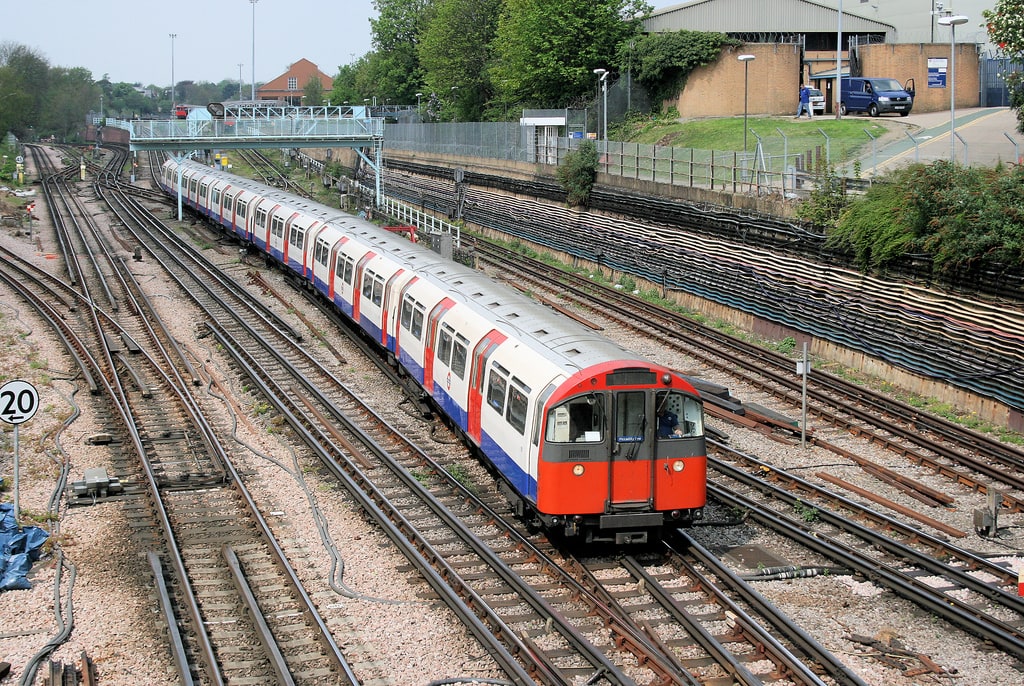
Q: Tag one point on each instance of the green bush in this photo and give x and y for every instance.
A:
(578, 173)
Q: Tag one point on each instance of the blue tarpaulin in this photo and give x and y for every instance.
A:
(18, 550)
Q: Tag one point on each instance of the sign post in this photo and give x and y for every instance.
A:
(19, 401)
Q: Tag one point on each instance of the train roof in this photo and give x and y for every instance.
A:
(567, 341)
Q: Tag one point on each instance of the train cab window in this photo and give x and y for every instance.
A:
(412, 317)
(679, 416)
(444, 345)
(630, 416)
(497, 385)
(579, 420)
(460, 351)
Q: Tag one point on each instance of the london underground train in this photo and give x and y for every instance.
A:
(588, 439)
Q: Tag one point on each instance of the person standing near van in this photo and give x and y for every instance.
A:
(805, 103)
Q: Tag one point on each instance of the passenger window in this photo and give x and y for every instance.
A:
(444, 346)
(459, 354)
(517, 408)
(378, 291)
(406, 313)
(417, 324)
(496, 387)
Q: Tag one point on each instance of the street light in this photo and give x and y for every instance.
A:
(602, 77)
(254, 49)
(952, 22)
(745, 59)
(173, 36)
(239, 82)
(418, 96)
(454, 111)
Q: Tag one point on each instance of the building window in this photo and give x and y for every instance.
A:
(293, 83)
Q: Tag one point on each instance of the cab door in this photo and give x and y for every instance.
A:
(630, 470)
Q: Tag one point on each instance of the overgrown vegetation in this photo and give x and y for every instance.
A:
(962, 217)
(663, 61)
(577, 174)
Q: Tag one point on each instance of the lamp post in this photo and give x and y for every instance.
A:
(254, 49)
(240, 81)
(602, 76)
(454, 111)
(745, 59)
(952, 22)
(418, 96)
(173, 36)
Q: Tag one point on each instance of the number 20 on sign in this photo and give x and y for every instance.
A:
(19, 401)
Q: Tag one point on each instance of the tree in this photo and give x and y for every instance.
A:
(395, 62)
(546, 52)
(313, 92)
(453, 51)
(1005, 26)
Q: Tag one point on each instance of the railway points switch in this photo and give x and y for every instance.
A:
(96, 484)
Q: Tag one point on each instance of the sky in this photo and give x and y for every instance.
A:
(212, 36)
(130, 41)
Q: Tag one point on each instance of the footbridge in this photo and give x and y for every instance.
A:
(258, 125)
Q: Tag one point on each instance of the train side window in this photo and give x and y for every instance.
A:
(277, 226)
(215, 197)
(296, 237)
(193, 184)
(518, 406)
(412, 317)
(497, 385)
(241, 210)
(229, 202)
(261, 217)
(444, 345)
(459, 355)
(346, 270)
(417, 322)
(202, 190)
(407, 313)
(322, 252)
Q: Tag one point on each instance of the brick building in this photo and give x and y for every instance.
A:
(289, 86)
(794, 41)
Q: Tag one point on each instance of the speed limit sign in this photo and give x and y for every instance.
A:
(18, 402)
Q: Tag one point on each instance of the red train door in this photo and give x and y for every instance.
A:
(483, 350)
(631, 468)
(428, 351)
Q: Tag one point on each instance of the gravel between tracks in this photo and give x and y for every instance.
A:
(391, 627)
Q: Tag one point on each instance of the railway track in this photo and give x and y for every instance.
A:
(212, 538)
(992, 610)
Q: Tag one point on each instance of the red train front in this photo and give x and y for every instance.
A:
(623, 455)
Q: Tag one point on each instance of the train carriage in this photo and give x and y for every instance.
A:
(570, 422)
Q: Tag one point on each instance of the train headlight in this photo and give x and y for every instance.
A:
(678, 465)
(577, 470)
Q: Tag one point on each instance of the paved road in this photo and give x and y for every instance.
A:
(986, 134)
